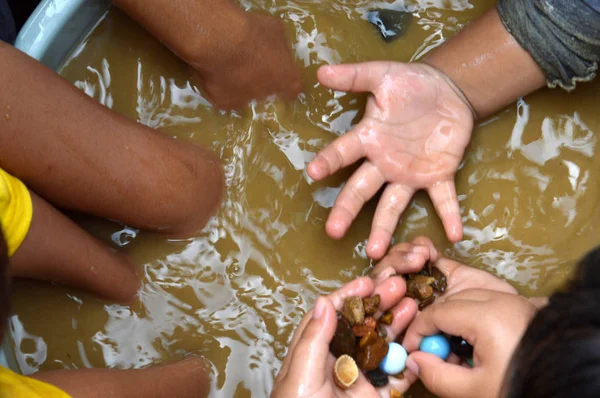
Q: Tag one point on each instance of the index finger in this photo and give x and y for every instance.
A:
(342, 152)
(457, 318)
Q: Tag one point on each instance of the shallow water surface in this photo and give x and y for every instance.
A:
(236, 291)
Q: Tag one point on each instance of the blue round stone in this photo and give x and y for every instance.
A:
(437, 345)
(395, 360)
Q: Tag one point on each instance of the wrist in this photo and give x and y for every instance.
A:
(487, 65)
(457, 90)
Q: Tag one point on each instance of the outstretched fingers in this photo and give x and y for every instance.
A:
(342, 152)
(363, 77)
(394, 200)
(443, 196)
(361, 187)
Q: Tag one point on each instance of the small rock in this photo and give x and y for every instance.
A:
(377, 378)
(371, 304)
(391, 23)
(387, 318)
(368, 339)
(370, 356)
(396, 394)
(381, 330)
(343, 342)
(368, 324)
(353, 310)
(440, 280)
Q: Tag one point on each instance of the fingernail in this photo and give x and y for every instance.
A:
(319, 308)
(411, 258)
(412, 366)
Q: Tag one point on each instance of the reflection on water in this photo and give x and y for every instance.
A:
(235, 292)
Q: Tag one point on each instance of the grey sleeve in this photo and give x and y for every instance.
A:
(562, 36)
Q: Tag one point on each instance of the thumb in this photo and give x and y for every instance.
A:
(312, 350)
(366, 76)
(441, 378)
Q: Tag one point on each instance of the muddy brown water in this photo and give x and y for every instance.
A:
(236, 291)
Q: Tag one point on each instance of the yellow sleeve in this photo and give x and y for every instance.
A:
(16, 210)
(16, 386)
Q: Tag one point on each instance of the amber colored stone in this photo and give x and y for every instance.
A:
(387, 318)
(368, 339)
(399, 376)
(381, 330)
(440, 280)
(396, 394)
(343, 341)
(370, 356)
(353, 310)
(371, 304)
(369, 324)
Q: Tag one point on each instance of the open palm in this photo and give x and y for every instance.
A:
(413, 135)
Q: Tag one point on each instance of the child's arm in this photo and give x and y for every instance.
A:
(56, 249)
(82, 156)
(238, 56)
(183, 379)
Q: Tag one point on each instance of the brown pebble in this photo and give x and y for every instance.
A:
(396, 394)
(399, 376)
(387, 318)
(343, 341)
(353, 310)
(369, 338)
(368, 324)
(371, 304)
(381, 330)
(370, 356)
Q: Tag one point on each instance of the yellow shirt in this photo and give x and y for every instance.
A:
(16, 211)
(13, 385)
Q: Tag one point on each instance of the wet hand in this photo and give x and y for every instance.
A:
(307, 370)
(492, 322)
(254, 64)
(413, 135)
(408, 257)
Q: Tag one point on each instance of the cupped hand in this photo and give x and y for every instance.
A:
(256, 64)
(492, 322)
(307, 369)
(413, 135)
(408, 257)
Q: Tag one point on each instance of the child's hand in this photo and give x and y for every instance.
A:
(307, 370)
(413, 135)
(256, 65)
(236, 56)
(492, 322)
(410, 257)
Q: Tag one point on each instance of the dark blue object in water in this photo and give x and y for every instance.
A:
(391, 23)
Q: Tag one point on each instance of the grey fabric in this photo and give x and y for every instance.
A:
(7, 24)
(562, 36)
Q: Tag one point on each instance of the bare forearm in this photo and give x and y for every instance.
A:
(191, 29)
(81, 156)
(488, 65)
